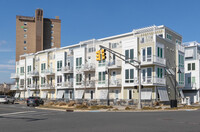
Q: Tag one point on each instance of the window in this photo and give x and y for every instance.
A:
(25, 48)
(101, 77)
(25, 35)
(169, 37)
(52, 43)
(52, 25)
(59, 65)
(43, 67)
(43, 81)
(59, 80)
(22, 70)
(25, 23)
(78, 79)
(178, 42)
(160, 52)
(193, 80)
(28, 82)
(92, 49)
(189, 80)
(51, 37)
(52, 32)
(22, 82)
(159, 72)
(149, 56)
(181, 60)
(142, 40)
(181, 78)
(189, 66)
(102, 62)
(114, 45)
(29, 69)
(78, 63)
(129, 55)
(193, 66)
(24, 41)
(25, 29)
(129, 75)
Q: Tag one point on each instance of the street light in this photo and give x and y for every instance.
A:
(174, 102)
(108, 102)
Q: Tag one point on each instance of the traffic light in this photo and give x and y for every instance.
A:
(98, 55)
(103, 53)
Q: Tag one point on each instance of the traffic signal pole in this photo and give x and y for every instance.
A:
(138, 66)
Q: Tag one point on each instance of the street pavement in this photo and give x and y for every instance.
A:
(20, 118)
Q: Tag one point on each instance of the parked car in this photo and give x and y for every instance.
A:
(34, 101)
(7, 99)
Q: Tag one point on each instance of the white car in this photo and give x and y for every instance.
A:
(6, 99)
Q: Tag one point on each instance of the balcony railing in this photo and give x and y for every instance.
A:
(180, 48)
(21, 87)
(153, 60)
(114, 64)
(112, 83)
(33, 86)
(47, 86)
(67, 69)
(65, 85)
(88, 67)
(49, 71)
(14, 75)
(153, 81)
(14, 87)
(33, 73)
(89, 84)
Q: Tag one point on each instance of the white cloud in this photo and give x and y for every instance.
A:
(10, 67)
(11, 62)
(2, 42)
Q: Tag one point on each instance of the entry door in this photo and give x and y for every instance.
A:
(130, 94)
(91, 94)
(117, 94)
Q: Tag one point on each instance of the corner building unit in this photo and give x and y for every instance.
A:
(72, 72)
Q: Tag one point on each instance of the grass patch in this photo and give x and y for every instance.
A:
(151, 108)
(97, 107)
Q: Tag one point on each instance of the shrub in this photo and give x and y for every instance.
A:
(127, 108)
(71, 103)
(62, 103)
(81, 107)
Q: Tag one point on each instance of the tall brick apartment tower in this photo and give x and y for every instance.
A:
(34, 34)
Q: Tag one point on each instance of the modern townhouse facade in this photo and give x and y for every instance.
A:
(75, 73)
(192, 80)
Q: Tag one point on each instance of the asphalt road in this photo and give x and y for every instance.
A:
(19, 118)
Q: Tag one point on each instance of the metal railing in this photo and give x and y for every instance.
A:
(114, 64)
(88, 67)
(149, 59)
(14, 75)
(67, 69)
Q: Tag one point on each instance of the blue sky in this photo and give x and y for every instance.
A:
(87, 19)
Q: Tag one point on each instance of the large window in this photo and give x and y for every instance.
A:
(43, 67)
(129, 75)
(159, 72)
(78, 63)
(22, 70)
(129, 55)
(191, 66)
(59, 80)
(78, 79)
(160, 52)
(146, 54)
(181, 60)
(101, 78)
(29, 69)
(181, 78)
(43, 81)
(59, 65)
(28, 82)
(169, 37)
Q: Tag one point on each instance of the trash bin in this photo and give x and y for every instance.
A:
(173, 103)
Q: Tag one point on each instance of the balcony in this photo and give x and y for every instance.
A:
(14, 75)
(34, 73)
(21, 87)
(47, 86)
(112, 83)
(180, 48)
(192, 86)
(153, 60)
(33, 86)
(153, 81)
(88, 67)
(67, 69)
(114, 64)
(14, 87)
(48, 72)
(65, 85)
(89, 84)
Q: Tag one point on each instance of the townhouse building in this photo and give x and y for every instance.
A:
(72, 72)
(192, 87)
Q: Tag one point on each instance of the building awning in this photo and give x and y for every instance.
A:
(26, 94)
(146, 94)
(162, 91)
(17, 95)
(103, 94)
(44, 94)
(181, 93)
(60, 94)
(79, 94)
